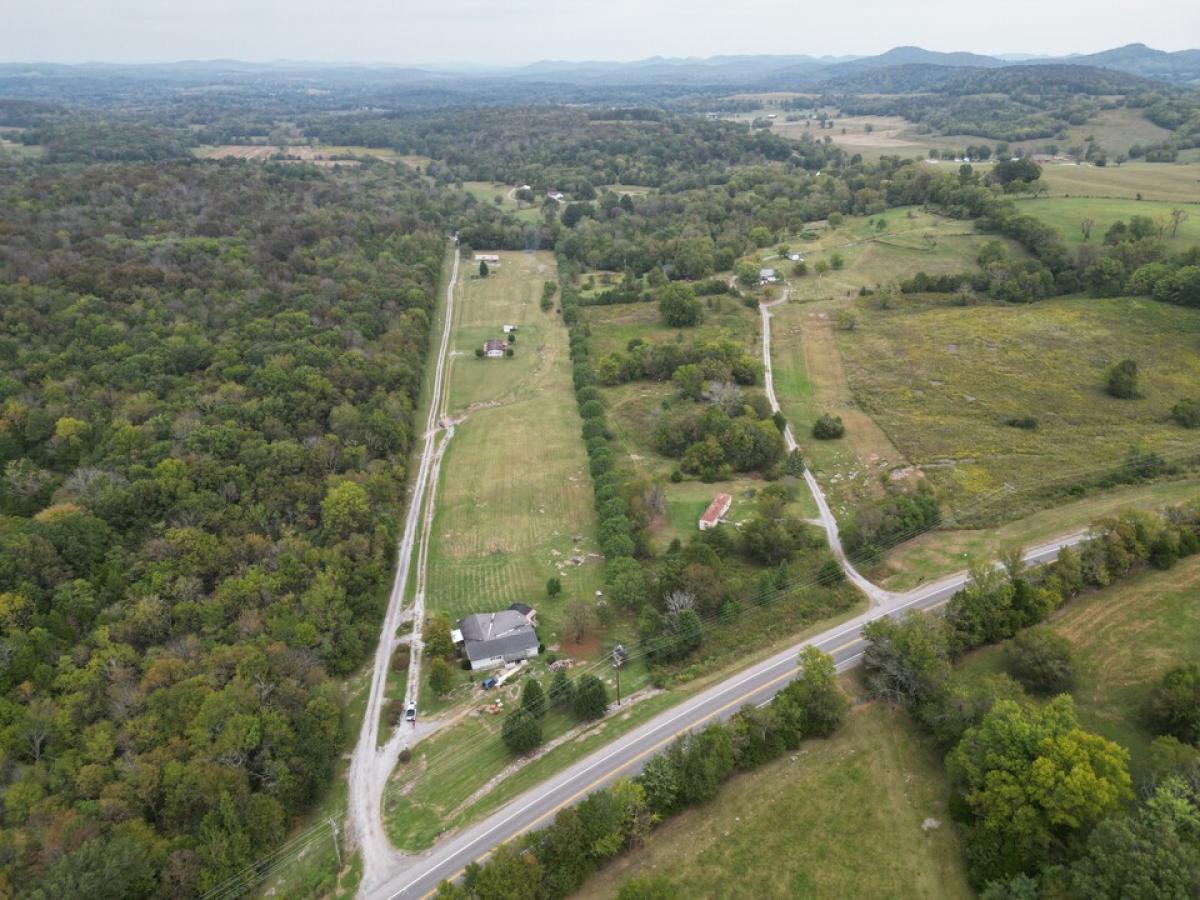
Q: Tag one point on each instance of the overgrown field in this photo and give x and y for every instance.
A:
(945, 551)
(842, 817)
(1124, 638)
(942, 382)
(514, 500)
(636, 409)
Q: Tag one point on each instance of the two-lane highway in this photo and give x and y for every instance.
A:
(626, 756)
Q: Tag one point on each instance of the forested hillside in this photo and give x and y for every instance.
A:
(207, 379)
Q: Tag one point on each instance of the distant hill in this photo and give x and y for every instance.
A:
(1180, 67)
(1027, 78)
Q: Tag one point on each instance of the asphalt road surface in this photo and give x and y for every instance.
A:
(624, 757)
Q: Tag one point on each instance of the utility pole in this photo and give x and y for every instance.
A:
(618, 660)
(336, 849)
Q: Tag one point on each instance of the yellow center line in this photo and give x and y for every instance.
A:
(646, 752)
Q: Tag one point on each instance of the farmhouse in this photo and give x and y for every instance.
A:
(494, 349)
(509, 329)
(556, 195)
(767, 276)
(492, 639)
(795, 257)
(491, 259)
(716, 510)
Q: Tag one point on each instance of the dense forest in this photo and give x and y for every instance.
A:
(207, 379)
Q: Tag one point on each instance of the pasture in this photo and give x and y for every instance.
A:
(1124, 638)
(1169, 182)
(514, 498)
(1066, 214)
(503, 197)
(812, 814)
(948, 550)
(941, 382)
(323, 155)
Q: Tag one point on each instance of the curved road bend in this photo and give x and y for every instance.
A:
(625, 756)
(369, 765)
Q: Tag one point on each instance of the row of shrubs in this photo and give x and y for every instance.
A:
(555, 861)
(585, 699)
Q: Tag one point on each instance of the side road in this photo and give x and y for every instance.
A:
(371, 766)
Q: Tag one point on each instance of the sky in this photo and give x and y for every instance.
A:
(521, 31)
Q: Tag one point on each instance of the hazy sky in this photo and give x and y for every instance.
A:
(408, 31)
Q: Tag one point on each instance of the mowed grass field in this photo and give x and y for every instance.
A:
(1066, 213)
(514, 500)
(839, 818)
(1170, 182)
(941, 381)
(1124, 638)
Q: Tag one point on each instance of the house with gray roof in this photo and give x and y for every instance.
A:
(492, 639)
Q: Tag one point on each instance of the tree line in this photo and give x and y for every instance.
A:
(1047, 807)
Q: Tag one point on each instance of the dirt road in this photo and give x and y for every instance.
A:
(370, 766)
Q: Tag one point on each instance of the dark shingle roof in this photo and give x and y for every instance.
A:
(496, 634)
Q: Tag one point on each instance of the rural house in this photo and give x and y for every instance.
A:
(491, 259)
(509, 329)
(715, 512)
(494, 349)
(492, 639)
(767, 276)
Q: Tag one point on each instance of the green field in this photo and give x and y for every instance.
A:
(1066, 213)
(514, 500)
(946, 551)
(839, 818)
(1124, 638)
(941, 381)
(489, 191)
(1172, 182)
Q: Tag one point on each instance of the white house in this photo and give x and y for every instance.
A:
(494, 349)
(556, 195)
(509, 329)
(767, 276)
(795, 257)
(491, 259)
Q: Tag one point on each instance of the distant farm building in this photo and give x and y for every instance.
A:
(509, 329)
(492, 639)
(490, 258)
(767, 276)
(795, 257)
(556, 195)
(715, 512)
(494, 349)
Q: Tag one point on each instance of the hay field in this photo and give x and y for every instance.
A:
(514, 496)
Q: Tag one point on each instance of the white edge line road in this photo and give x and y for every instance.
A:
(627, 755)
(755, 685)
(369, 768)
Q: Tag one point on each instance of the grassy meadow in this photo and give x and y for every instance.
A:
(800, 826)
(1066, 213)
(1124, 638)
(941, 381)
(1170, 182)
(946, 551)
(514, 498)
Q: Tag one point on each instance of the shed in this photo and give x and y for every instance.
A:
(715, 512)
